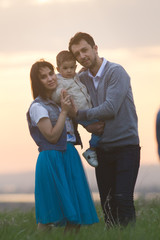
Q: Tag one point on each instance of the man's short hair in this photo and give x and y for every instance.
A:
(81, 36)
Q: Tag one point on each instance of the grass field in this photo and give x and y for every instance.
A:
(18, 225)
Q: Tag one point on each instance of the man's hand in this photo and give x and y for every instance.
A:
(83, 69)
(96, 128)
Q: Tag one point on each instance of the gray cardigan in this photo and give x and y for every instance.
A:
(112, 102)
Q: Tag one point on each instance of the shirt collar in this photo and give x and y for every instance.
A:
(99, 73)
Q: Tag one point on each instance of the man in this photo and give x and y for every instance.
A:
(118, 151)
(158, 131)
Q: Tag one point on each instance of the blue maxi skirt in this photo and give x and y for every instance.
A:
(61, 189)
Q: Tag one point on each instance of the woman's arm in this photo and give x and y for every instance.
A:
(52, 134)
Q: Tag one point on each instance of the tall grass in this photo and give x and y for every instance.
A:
(16, 225)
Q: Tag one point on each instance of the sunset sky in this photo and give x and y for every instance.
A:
(126, 32)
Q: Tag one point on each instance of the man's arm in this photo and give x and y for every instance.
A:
(116, 92)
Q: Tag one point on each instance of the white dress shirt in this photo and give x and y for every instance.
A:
(96, 79)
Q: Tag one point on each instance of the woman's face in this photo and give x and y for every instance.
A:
(48, 79)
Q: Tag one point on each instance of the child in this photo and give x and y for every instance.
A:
(69, 80)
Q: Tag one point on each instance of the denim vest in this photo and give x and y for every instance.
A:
(40, 140)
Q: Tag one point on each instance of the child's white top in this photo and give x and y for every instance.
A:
(76, 89)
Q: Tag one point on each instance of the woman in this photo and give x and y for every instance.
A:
(62, 195)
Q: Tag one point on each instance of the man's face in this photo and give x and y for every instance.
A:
(85, 54)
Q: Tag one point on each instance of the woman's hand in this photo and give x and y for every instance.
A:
(65, 101)
(73, 110)
(67, 104)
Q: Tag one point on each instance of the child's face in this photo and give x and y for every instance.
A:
(67, 69)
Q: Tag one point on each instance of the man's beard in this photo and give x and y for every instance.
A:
(91, 65)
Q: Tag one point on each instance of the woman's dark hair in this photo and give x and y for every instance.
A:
(81, 36)
(36, 86)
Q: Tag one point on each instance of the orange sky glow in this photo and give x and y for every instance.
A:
(19, 152)
(126, 32)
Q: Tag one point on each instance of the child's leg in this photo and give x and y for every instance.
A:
(91, 157)
(90, 154)
(86, 123)
(94, 141)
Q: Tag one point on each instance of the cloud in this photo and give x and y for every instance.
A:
(114, 24)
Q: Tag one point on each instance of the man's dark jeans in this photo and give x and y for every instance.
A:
(116, 177)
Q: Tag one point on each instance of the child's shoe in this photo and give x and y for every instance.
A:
(91, 157)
